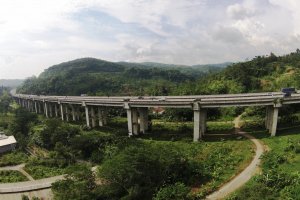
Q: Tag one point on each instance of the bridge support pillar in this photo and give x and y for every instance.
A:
(87, 117)
(50, 110)
(143, 113)
(55, 110)
(129, 122)
(73, 113)
(199, 121)
(100, 117)
(46, 109)
(67, 112)
(35, 107)
(273, 127)
(135, 121)
(61, 111)
(203, 117)
(93, 116)
(269, 114)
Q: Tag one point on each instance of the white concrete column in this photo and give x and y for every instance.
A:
(35, 107)
(135, 122)
(50, 110)
(61, 111)
(93, 116)
(100, 117)
(46, 109)
(73, 113)
(274, 121)
(268, 117)
(197, 122)
(87, 116)
(129, 121)
(55, 110)
(270, 120)
(143, 113)
(203, 116)
(67, 112)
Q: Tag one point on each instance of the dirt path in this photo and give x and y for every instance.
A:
(245, 175)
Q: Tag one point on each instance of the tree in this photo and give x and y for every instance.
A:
(79, 184)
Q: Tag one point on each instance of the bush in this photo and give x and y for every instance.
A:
(177, 191)
(293, 146)
(11, 176)
(13, 158)
(271, 160)
(255, 192)
(277, 179)
(139, 170)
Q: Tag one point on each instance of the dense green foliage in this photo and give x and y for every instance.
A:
(8, 176)
(13, 158)
(99, 77)
(176, 191)
(78, 184)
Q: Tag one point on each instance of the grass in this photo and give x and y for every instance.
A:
(10, 176)
(280, 177)
(13, 158)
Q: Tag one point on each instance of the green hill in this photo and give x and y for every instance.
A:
(99, 77)
(262, 73)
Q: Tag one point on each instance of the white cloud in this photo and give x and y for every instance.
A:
(35, 34)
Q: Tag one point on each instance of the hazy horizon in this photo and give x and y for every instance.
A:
(37, 34)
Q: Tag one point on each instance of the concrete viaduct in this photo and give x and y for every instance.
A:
(68, 107)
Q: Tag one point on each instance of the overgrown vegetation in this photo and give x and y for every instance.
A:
(280, 177)
(9, 176)
(13, 158)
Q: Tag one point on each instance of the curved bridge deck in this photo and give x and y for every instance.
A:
(68, 107)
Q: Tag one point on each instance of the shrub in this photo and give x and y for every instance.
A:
(177, 191)
(272, 160)
(139, 170)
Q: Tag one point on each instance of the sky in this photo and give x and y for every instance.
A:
(36, 34)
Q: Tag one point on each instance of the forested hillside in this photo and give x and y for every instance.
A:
(263, 73)
(98, 77)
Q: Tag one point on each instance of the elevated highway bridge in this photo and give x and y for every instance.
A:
(137, 107)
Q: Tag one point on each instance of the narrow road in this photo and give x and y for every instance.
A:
(29, 185)
(245, 175)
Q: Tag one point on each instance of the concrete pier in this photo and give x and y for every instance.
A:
(87, 117)
(143, 119)
(61, 111)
